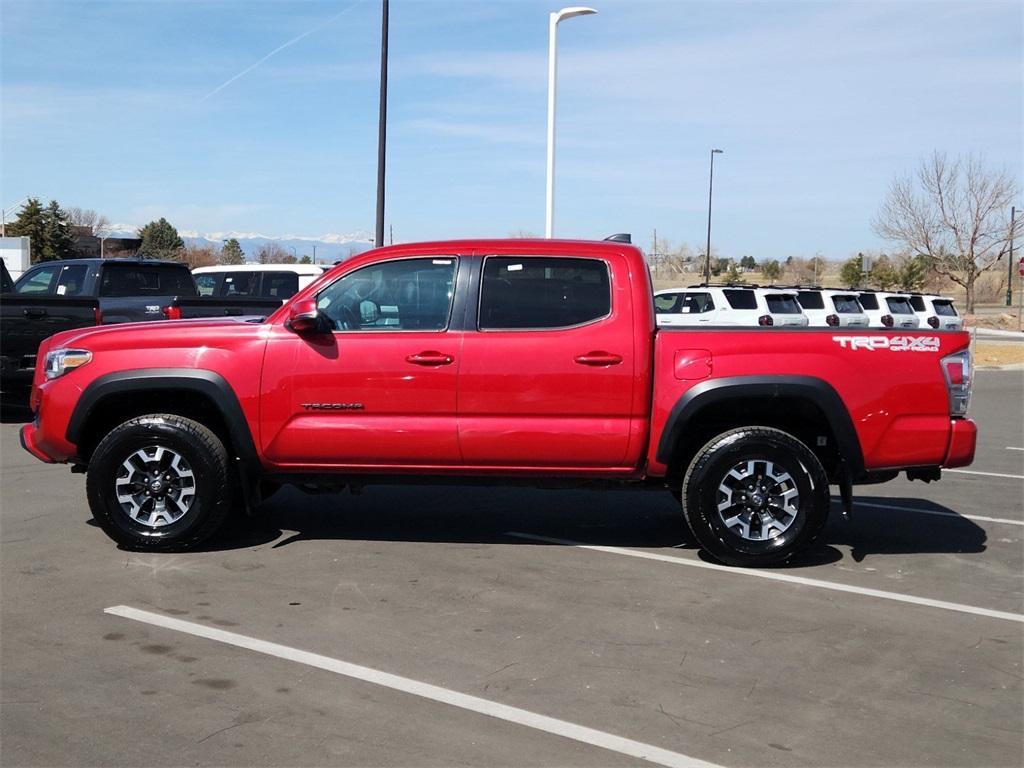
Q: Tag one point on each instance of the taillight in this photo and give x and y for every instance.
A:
(957, 371)
(172, 313)
(832, 320)
(887, 321)
(765, 320)
(933, 321)
(97, 315)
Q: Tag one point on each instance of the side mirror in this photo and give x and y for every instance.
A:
(303, 317)
(369, 312)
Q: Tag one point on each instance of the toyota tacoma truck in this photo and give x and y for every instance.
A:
(491, 361)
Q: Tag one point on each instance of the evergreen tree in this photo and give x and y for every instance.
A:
(58, 242)
(733, 274)
(852, 274)
(882, 274)
(232, 253)
(771, 270)
(160, 241)
(912, 274)
(305, 260)
(30, 223)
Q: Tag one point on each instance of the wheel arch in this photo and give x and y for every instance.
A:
(202, 395)
(805, 406)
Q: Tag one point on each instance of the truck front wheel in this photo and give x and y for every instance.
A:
(755, 496)
(159, 482)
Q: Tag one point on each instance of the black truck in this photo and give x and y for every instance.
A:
(61, 295)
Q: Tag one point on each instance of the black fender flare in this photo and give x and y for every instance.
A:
(208, 384)
(814, 390)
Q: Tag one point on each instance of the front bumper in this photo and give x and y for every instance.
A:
(29, 435)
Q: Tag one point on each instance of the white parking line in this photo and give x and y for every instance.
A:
(515, 715)
(1012, 448)
(986, 474)
(938, 512)
(772, 576)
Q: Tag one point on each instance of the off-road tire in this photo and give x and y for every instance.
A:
(708, 474)
(200, 450)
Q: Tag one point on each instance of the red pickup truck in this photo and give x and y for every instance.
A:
(495, 359)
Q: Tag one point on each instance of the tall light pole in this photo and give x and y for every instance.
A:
(553, 19)
(1009, 279)
(382, 121)
(711, 186)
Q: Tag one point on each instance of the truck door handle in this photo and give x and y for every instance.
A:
(35, 313)
(430, 357)
(598, 358)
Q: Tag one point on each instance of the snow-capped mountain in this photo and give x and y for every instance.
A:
(328, 248)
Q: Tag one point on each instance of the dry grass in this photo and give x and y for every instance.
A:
(998, 353)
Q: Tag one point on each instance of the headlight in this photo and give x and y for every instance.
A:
(60, 361)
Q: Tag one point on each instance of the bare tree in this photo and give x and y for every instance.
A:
(272, 253)
(953, 212)
(84, 217)
(199, 256)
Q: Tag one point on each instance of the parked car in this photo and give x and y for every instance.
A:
(827, 308)
(506, 360)
(937, 312)
(57, 295)
(727, 305)
(888, 310)
(275, 281)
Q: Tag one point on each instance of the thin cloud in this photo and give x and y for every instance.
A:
(277, 50)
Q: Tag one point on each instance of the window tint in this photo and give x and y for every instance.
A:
(405, 295)
(240, 284)
(740, 298)
(847, 305)
(532, 292)
(917, 302)
(695, 303)
(869, 301)
(145, 280)
(37, 281)
(280, 285)
(944, 307)
(666, 303)
(71, 280)
(810, 300)
(898, 305)
(782, 304)
(206, 284)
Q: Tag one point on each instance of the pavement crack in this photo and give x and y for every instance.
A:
(502, 669)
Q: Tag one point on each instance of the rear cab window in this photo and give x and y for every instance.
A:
(528, 292)
(126, 280)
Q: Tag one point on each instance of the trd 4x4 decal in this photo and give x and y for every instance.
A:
(894, 344)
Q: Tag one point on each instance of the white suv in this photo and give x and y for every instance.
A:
(727, 305)
(936, 311)
(826, 308)
(275, 281)
(888, 310)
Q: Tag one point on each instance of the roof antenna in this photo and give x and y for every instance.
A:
(621, 237)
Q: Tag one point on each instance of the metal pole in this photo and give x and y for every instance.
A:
(1009, 281)
(549, 215)
(711, 184)
(382, 125)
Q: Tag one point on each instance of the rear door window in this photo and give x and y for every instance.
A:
(280, 285)
(520, 292)
(666, 304)
(944, 307)
(696, 303)
(899, 305)
(782, 304)
(240, 284)
(146, 280)
(869, 301)
(71, 281)
(847, 305)
(740, 298)
(206, 284)
(810, 300)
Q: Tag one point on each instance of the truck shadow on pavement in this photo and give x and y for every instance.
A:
(633, 519)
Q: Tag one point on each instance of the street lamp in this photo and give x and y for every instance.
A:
(382, 122)
(554, 18)
(711, 183)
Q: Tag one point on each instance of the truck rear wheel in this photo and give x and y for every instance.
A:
(755, 496)
(159, 482)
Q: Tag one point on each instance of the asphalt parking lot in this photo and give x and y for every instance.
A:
(467, 626)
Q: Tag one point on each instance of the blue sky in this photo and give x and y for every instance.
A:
(116, 107)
